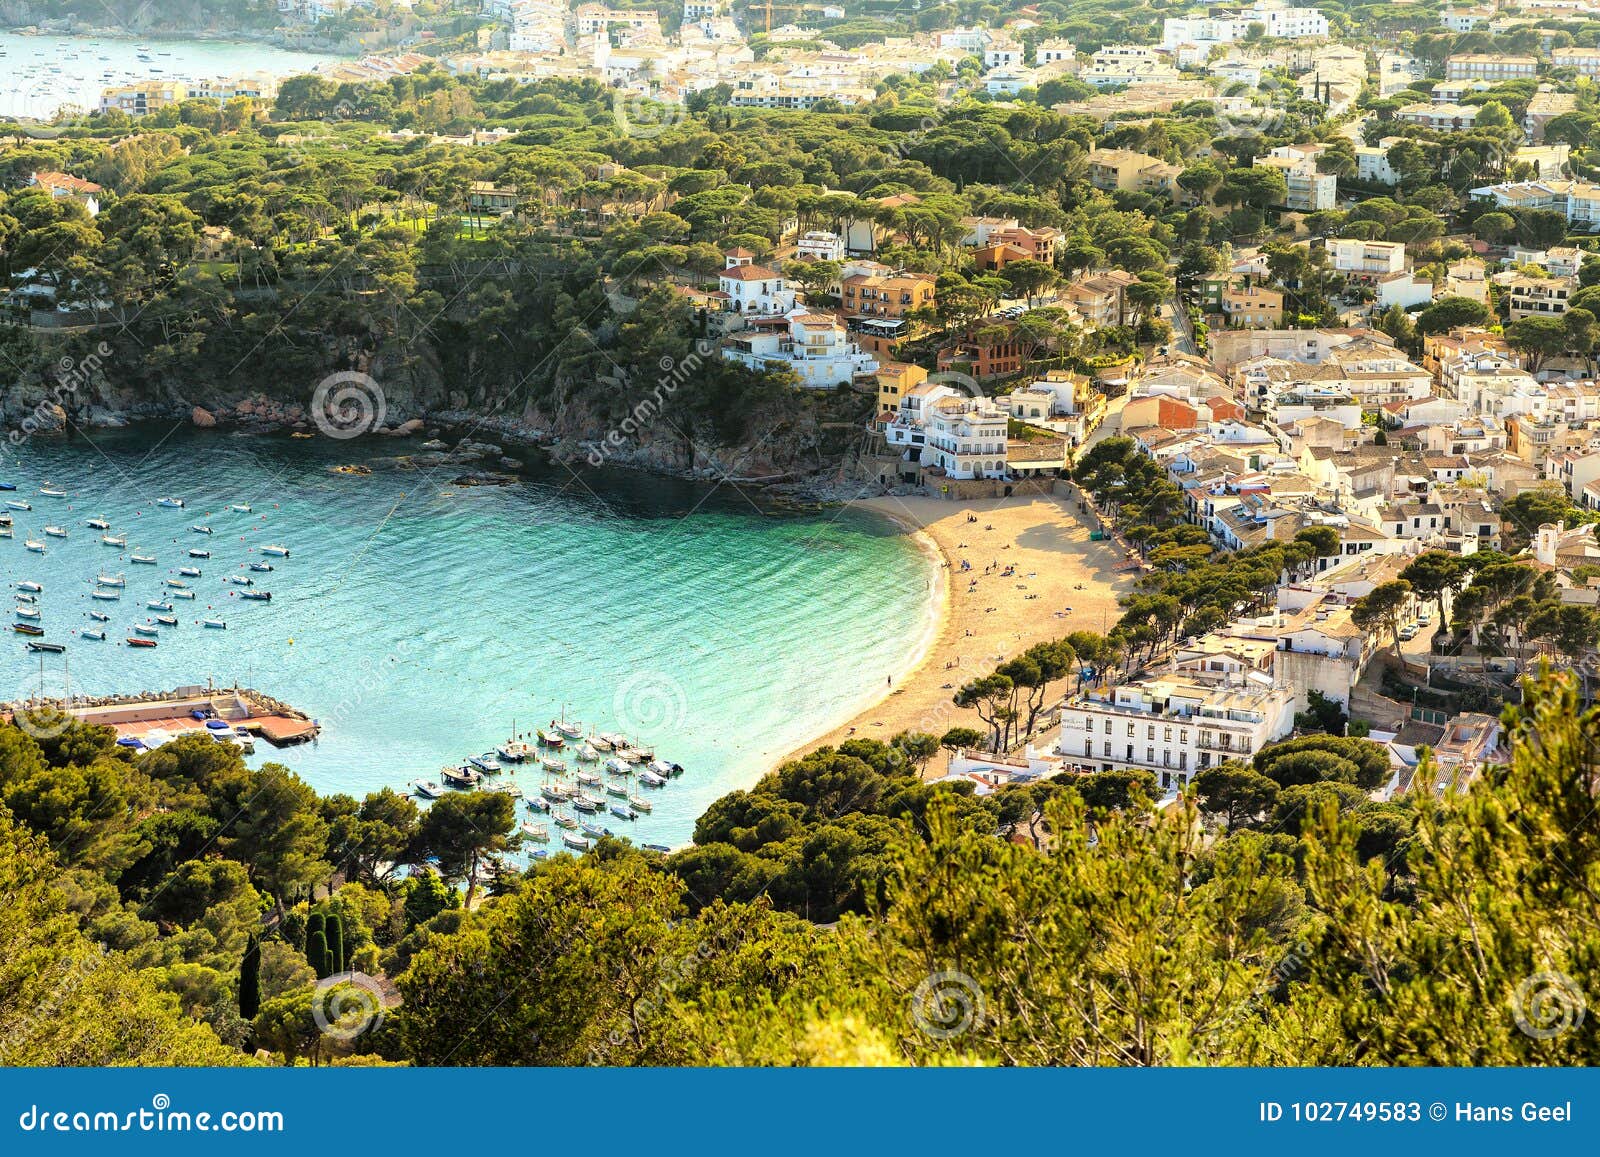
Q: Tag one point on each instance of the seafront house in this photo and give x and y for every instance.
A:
(145, 97)
(814, 347)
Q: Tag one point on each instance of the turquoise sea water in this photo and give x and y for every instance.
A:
(417, 620)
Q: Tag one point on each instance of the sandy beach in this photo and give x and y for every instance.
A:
(988, 616)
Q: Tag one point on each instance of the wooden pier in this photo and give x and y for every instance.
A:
(172, 713)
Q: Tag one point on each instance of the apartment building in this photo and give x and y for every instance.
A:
(967, 437)
(1490, 66)
(1537, 296)
(1124, 169)
(1445, 118)
(1308, 190)
(1578, 200)
(1586, 61)
(144, 97)
(1252, 307)
(1365, 260)
(1101, 300)
(890, 296)
(1179, 722)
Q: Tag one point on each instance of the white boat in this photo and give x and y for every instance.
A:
(651, 779)
(587, 778)
(587, 754)
(198, 529)
(100, 616)
(145, 629)
(111, 580)
(427, 789)
(166, 620)
(462, 777)
(618, 767)
(56, 531)
(515, 751)
(199, 554)
(175, 503)
(240, 507)
(28, 612)
(34, 545)
(599, 742)
(276, 551)
(576, 843)
(147, 559)
(261, 566)
(52, 492)
(485, 763)
(105, 594)
(158, 605)
(17, 504)
(629, 754)
(36, 588)
(5, 531)
(553, 766)
(31, 600)
(176, 584)
(215, 624)
(662, 767)
(241, 580)
(189, 571)
(570, 730)
(640, 804)
(114, 539)
(533, 831)
(97, 635)
(183, 594)
(97, 524)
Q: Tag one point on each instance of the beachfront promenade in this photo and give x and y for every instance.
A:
(989, 617)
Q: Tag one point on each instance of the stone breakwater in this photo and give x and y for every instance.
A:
(258, 702)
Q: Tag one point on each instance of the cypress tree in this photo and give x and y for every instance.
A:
(334, 933)
(315, 926)
(317, 954)
(250, 980)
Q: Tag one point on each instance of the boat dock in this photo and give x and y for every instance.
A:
(173, 712)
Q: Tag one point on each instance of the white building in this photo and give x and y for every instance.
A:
(1277, 22)
(1178, 723)
(815, 348)
(1308, 189)
(820, 245)
(967, 437)
(751, 289)
(1366, 259)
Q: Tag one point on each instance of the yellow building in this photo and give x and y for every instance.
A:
(145, 97)
(1253, 307)
(894, 379)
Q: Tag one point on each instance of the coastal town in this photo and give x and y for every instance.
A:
(963, 465)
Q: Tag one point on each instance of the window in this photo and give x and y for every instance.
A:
(1149, 755)
(1130, 731)
(1150, 731)
(1167, 734)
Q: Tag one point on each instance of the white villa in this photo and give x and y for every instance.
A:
(815, 347)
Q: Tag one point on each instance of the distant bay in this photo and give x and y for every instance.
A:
(46, 74)
(419, 621)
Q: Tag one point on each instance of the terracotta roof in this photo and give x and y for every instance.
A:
(749, 273)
